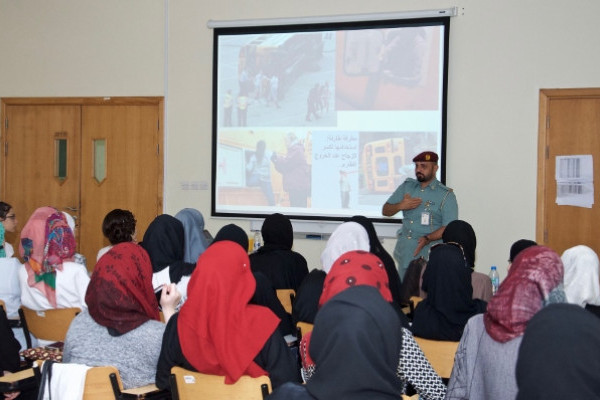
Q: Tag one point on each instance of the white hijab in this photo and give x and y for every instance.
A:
(346, 237)
(582, 284)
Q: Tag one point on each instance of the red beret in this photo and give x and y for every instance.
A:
(429, 156)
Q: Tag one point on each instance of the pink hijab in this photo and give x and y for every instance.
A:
(46, 241)
(534, 280)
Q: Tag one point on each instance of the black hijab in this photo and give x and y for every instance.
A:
(356, 344)
(518, 247)
(233, 233)
(377, 248)
(9, 346)
(462, 232)
(277, 232)
(284, 267)
(443, 314)
(164, 242)
(559, 357)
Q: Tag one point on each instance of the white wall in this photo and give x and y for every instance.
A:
(501, 54)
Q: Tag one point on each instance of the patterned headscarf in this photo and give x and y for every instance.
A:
(46, 242)
(120, 294)
(582, 284)
(534, 280)
(354, 268)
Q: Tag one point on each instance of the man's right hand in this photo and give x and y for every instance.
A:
(408, 203)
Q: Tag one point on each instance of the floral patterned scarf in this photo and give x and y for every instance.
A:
(46, 242)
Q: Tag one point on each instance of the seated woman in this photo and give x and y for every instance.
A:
(413, 277)
(265, 294)
(449, 303)
(375, 247)
(487, 354)
(118, 226)
(193, 232)
(559, 356)
(275, 259)
(356, 268)
(122, 327)
(462, 232)
(346, 237)
(10, 290)
(164, 242)
(50, 278)
(9, 347)
(582, 282)
(218, 332)
(356, 343)
(9, 356)
(9, 224)
(518, 247)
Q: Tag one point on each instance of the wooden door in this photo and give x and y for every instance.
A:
(41, 160)
(113, 160)
(129, 177)
(569, 125)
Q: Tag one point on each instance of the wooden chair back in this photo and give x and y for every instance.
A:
(187, 384)
(98, 385)
(440, 354)
(286, 298)
(22, 380)
(105, 383)
(415, 300)
(49, 324)
(304, 328)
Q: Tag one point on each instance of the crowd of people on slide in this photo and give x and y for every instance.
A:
(176, 298)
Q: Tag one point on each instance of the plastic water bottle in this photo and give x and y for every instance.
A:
(495, 279)
(257, 240)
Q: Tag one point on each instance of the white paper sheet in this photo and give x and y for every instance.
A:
(575, 180)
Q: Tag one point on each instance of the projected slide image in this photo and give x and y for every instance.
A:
(322, 121)
(264, 168)
(388, 69)
(284, 79)
(360, 170)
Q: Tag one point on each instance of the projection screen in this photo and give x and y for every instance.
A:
(321, 121)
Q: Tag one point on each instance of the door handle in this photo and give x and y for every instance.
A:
(71, 208)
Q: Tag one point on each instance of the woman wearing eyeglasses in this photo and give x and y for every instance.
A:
(9, 224)
(449, 303)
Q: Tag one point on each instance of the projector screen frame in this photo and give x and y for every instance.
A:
(324, 220)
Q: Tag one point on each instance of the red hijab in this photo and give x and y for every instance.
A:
(353, 268)
(531, 282)
(356, 268)
(220, 333)
(120, 295)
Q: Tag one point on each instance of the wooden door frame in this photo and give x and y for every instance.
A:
(546, 96)
(82, 101)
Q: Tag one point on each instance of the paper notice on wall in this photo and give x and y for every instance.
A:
(575, 181)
